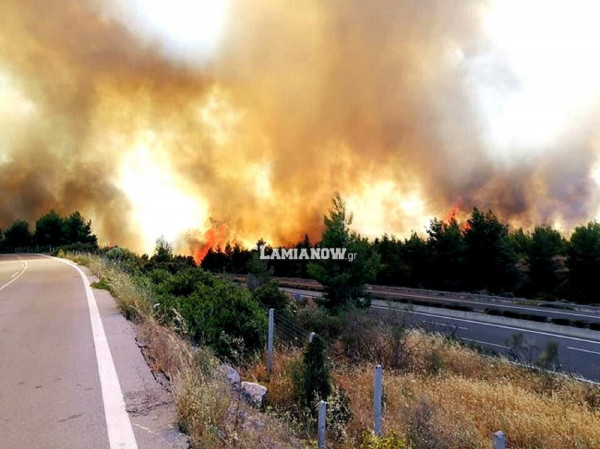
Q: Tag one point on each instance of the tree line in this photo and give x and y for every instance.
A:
(51, 231)
(480, 254)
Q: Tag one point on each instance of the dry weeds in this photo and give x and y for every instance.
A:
(459, 404)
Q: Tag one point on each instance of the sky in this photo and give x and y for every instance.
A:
(203, 121)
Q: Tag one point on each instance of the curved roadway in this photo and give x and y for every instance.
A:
(58, 380)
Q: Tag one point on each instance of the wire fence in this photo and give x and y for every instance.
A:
(288, 332)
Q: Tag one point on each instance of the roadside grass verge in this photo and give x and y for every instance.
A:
(134, 300)
(209, 411)
(457, 411)
(101, 285)
(439, 394)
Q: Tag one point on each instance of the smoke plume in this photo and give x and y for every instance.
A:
(378, 100)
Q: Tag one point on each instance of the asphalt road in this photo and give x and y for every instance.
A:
(60, 372)
(576, 355)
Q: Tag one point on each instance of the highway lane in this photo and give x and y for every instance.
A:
(52, 394)
(576, 355)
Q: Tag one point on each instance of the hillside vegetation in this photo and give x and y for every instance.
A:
(437, 393)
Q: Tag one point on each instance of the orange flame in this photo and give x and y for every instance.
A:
(214, 237)
(457, 213)
(451, 215)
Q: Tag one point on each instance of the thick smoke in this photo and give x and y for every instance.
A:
(374, 99)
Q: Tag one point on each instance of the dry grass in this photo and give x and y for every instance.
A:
(209, 411)
(466, 411)
(133, 300)
(202, 397)
(461, 402)
(279, 382)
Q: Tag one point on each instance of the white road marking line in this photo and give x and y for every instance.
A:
(17, 276)
(484, 343)
(482, 323)
(118, 424)
(583, 350)
(451, 325)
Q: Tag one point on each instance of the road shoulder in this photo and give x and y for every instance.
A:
(149, 403)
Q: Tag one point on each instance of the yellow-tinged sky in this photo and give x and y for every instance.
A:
(173, 117)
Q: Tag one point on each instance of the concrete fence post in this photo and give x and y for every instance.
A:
(377, 393)
(270, 340)
(311, 337)
(499, 440)
(321, 424)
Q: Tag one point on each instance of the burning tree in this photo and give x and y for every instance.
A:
(447, 249)
(490, 260)
(584, 262)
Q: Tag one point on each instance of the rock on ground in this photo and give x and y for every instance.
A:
(254, 393)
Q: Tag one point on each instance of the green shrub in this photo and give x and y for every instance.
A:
(434, 361)
(270, 296)
(222, 315)
(101, 284)
(494, 312)
(533, 317)
(186, 282)
(321, 322)
(126, 260)
(159, 276)
(210, 311)
(338, 413)
(312, 381)
(458, 307)
(545, 296)
(561, 321)
(118, 253)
